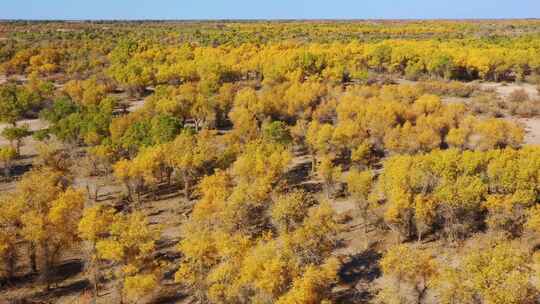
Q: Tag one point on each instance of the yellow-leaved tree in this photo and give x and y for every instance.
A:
(188, 155)
(51, 215)
(359, 185)
(10, 216)
(497, 274)
(408, 272)
(130, 245)
(93, 227)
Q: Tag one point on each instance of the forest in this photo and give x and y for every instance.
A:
(288, 162)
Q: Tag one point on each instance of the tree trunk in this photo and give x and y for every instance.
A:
(313, 162)
(120, 285)
(11, 262)
(45, 271)
(186, 186)
(327, 188)
(420, 293)
(96, 283)
(33, 262)
(364, 216)
(140, 189)
(95, 271)
(18, 146)
(96, 192)
(88, 192)
(128, 190)
(121, 291)
(169, 175)
(7, 167)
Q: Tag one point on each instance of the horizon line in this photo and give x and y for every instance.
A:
(260, 19)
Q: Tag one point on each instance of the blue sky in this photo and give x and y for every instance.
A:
(269, 9)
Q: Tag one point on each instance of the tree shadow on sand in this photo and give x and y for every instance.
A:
(357, 273)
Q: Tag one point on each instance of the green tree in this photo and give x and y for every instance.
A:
(16, 102)
(15, 135)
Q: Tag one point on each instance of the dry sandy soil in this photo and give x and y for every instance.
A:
(135, 105)
(532, 128)
(29, 144)
(505, 89)
(168, 211)
(532, 125)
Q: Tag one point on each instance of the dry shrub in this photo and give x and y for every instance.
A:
(378, 79)
(529, 108)
(519, 103)
(487, 104)
(344, 217)
(452, 88)
(519, 95)
(533, 79)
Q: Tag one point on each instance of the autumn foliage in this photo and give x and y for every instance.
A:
(260, 162)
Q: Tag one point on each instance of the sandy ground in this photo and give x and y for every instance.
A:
(21, 78)
(135, 105)
(28, 147)
(167, 212)
(531, 125)
(505, 89)
(532, 128)
(453, 99)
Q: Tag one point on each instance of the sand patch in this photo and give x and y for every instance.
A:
(532, 127)
(29, 144)
(505, 89)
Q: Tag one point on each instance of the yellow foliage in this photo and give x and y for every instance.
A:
(137, 286)
(130, 243)
(313, 286)
(95, 222)
(495, 275)
(289, 210)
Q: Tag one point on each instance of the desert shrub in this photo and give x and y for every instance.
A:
(452, 88)
(519, 103)
(487, 104)
(533, 79)
(529, 108)
(519, 95)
